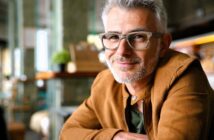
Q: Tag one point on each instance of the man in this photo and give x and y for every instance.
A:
(150, 91)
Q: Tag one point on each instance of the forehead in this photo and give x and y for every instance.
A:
(125, 20)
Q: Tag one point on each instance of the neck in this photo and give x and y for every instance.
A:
(134, 87)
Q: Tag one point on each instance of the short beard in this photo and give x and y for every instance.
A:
(139, 74)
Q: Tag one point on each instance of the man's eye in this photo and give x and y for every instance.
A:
(138, 37)
(111, 37)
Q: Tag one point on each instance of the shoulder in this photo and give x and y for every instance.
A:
(173, 64)
(105, 84)
(178, 68)
(174, 61)
(103, 78)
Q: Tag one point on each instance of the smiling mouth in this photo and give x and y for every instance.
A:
(124, 62)
(125, 65)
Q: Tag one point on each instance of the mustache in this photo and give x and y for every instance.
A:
(125, 59)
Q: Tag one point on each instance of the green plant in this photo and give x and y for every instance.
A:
(61, 57)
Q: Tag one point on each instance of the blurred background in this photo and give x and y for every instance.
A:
(50, 53)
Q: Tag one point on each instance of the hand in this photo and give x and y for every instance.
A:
(129, 136)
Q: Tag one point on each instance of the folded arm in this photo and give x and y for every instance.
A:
(84, 124)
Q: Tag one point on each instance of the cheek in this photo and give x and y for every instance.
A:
(152, 55)
(154, 49)
(108, 54)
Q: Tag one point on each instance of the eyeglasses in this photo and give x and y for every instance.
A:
(137, 40)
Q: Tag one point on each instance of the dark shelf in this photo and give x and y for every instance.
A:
(3, 43)
(198, 29)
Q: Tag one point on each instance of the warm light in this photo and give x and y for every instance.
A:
(94, 39)
(194, 41)
(204, 39)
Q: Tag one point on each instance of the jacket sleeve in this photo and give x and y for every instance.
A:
(185, 113)
(84, 123)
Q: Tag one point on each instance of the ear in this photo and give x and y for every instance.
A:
(165, 43)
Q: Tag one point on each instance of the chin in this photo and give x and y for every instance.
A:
(128, 77)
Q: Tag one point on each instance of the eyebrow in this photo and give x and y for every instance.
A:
(114, 32)
(137, 29)
(134, 30)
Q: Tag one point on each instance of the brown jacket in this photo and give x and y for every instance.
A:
(180, 106)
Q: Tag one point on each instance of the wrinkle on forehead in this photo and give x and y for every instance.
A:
(122, 20)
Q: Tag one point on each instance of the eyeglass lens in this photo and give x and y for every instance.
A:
(137, 40)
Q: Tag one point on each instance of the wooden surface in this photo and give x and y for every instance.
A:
(54, 75)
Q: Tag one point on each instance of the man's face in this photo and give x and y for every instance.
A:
(126, 64)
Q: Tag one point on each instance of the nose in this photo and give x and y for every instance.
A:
(124, 48)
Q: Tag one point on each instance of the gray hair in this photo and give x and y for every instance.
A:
(156, 6)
